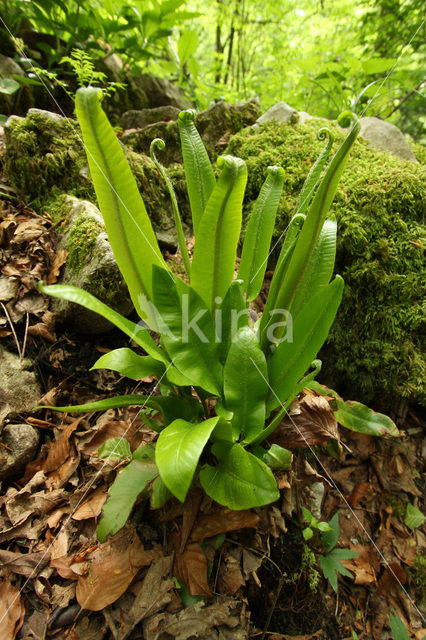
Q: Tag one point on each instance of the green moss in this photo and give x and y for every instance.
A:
(418, 574)
(374, 350)
(81, 242)
(45, 152)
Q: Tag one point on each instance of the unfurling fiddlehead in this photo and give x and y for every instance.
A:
(314, 174)
(158, 143)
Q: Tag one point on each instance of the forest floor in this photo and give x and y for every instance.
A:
(255, 574)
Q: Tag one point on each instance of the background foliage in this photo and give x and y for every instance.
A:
(316, 56)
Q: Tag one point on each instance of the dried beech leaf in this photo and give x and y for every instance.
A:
(310, 422)
(12, 611)
(110, 568)
(58, 261)
(92, 507)
(190, 567)
(223, 619)
(59, 450)
(221, 521)
(24, 564)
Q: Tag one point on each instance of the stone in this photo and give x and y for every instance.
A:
(139, 119)
(161, 92)
(8, 67)
(385, 136)
(304, 116)
(19, 389)
(90, 266)
(21, 441)
(215, 126)
(280, 113)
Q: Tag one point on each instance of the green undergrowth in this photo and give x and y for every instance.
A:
(374, 350)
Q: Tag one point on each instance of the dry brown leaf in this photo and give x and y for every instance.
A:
(393, 576)
(310, 422)
(365, 567)
(201, 621)
(26, 231)
(232, 576)
(24, 564)
(58, 261)
(91, 442)
(92, 507)
(29, 502)
(152, 595)
(59, 450)
(221, 521)
(60, 476)
(110, 568)
(190, 567)
(191, 508)
(358, 493)
(46, 328)
(12, 611)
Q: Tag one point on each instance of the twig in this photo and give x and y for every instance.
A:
(24, 344)
(6, 312)
(274, 604)
(405, 98)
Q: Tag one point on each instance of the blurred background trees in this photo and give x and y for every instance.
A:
(320, 57)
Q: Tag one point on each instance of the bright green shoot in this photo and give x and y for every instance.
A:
(222, 378)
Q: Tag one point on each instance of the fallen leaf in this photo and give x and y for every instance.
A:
(224, 619)
(59, 449)
(58, 261)
(358, 493)
(110, 568)
(309, 422)
(222, 520)
(190, 568)
(153, 594)
(232, 576)
(24, 564)
(365, 566)
(92, 507)
(393, 576)
(12, 611)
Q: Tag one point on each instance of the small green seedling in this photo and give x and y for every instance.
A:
(330, 561)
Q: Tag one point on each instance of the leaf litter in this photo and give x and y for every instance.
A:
(248, 572)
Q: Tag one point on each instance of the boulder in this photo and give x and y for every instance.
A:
(139, 119)
(215, 125)
(8, 67)
(160, 92)
(386, 137)
(44, 156)
(49, 146)
(374, 352)
(21, 442)
(19, 389)
(90, 266)
(279, 113)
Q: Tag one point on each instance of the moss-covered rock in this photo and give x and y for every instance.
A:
(90, 265)
(215, 125)
(374, 350)
(44, 156)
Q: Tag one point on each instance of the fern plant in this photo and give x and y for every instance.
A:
(225, 382)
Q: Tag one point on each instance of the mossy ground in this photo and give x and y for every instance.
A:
(81, 242)
(374, 349)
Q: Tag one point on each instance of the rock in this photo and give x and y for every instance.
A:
(8, 67)
(280, 113)
(113, 62)
(386, 137)
(161, 92)
(21, 441)
(19, 389)
(374, 352)
(304, 116)
(140, 119)
(215, 125)
(44, 155)
(90, 266)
